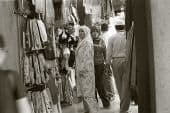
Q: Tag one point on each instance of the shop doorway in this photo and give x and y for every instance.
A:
(144, 55)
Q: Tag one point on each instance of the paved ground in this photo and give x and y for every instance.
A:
(78, 108)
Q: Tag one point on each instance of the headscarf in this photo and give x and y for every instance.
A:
(87, 33)
(87, 36)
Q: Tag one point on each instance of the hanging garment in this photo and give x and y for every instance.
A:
(54, 81)
(109, 9)
(42, 30)
(74, 13)
(42, 63)
(72, 78)
(36, 69)
(40, 6)
(41, 101)
(67, 89)
(31, 70)
(106, 9)
(66, 11)
(26, 72)
(74, 3)
(49, 14)
(51, 49)
(58, 10)
(92, 6)
(27, 38)
(48, 100)
(81, 11)
(103, 9)
(118, 4)
(37, 41)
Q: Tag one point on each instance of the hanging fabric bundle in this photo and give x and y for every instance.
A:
(50, 50)
(41, 101)
(49, 14)
(42, 31)
(39, 6)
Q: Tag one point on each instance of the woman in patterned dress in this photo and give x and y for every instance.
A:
(85, 76)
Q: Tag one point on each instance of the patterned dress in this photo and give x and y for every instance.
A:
(85, 78)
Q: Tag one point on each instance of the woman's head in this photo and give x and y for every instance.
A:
(95, 32)
(84, 31)
(2, 50)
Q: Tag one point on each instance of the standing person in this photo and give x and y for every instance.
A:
(12, 95)
(68, 43)
(99, 62)
(85, 77)
(118, 58)
(108, 74)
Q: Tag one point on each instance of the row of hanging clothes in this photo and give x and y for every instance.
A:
(47, 77)
(40, 57)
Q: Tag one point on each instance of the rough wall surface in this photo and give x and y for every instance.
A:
(161, 41)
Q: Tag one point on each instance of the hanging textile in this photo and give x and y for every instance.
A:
(49, 14)
(42, 30)
(81, 11)
(69, 12)
(39, 6)
(74, 14)
(38, 75)
(74, 3)
(106, 9)
(92, 6)
(66, 11)
(58, 13)
(118, 4)
(46, 8)
(41, 101)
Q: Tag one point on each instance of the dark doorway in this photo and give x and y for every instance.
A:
(144, 55)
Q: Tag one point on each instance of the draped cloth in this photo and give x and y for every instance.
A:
(85, 76)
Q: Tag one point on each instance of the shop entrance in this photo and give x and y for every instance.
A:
(144, 48)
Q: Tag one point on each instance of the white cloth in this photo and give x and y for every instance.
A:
(39, 6)
(42, 30)
(72, 78)
(92, 6)
(50, 14)
(117, 46)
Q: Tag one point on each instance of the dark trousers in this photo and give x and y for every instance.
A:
(99, 69)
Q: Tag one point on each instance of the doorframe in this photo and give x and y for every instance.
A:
(151, 57)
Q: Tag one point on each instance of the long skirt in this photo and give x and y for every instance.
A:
(108, 81)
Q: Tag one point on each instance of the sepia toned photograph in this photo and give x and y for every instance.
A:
(84, 56)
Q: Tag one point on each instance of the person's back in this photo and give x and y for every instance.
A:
(118, 43)
(12, 96)
(9, 92)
